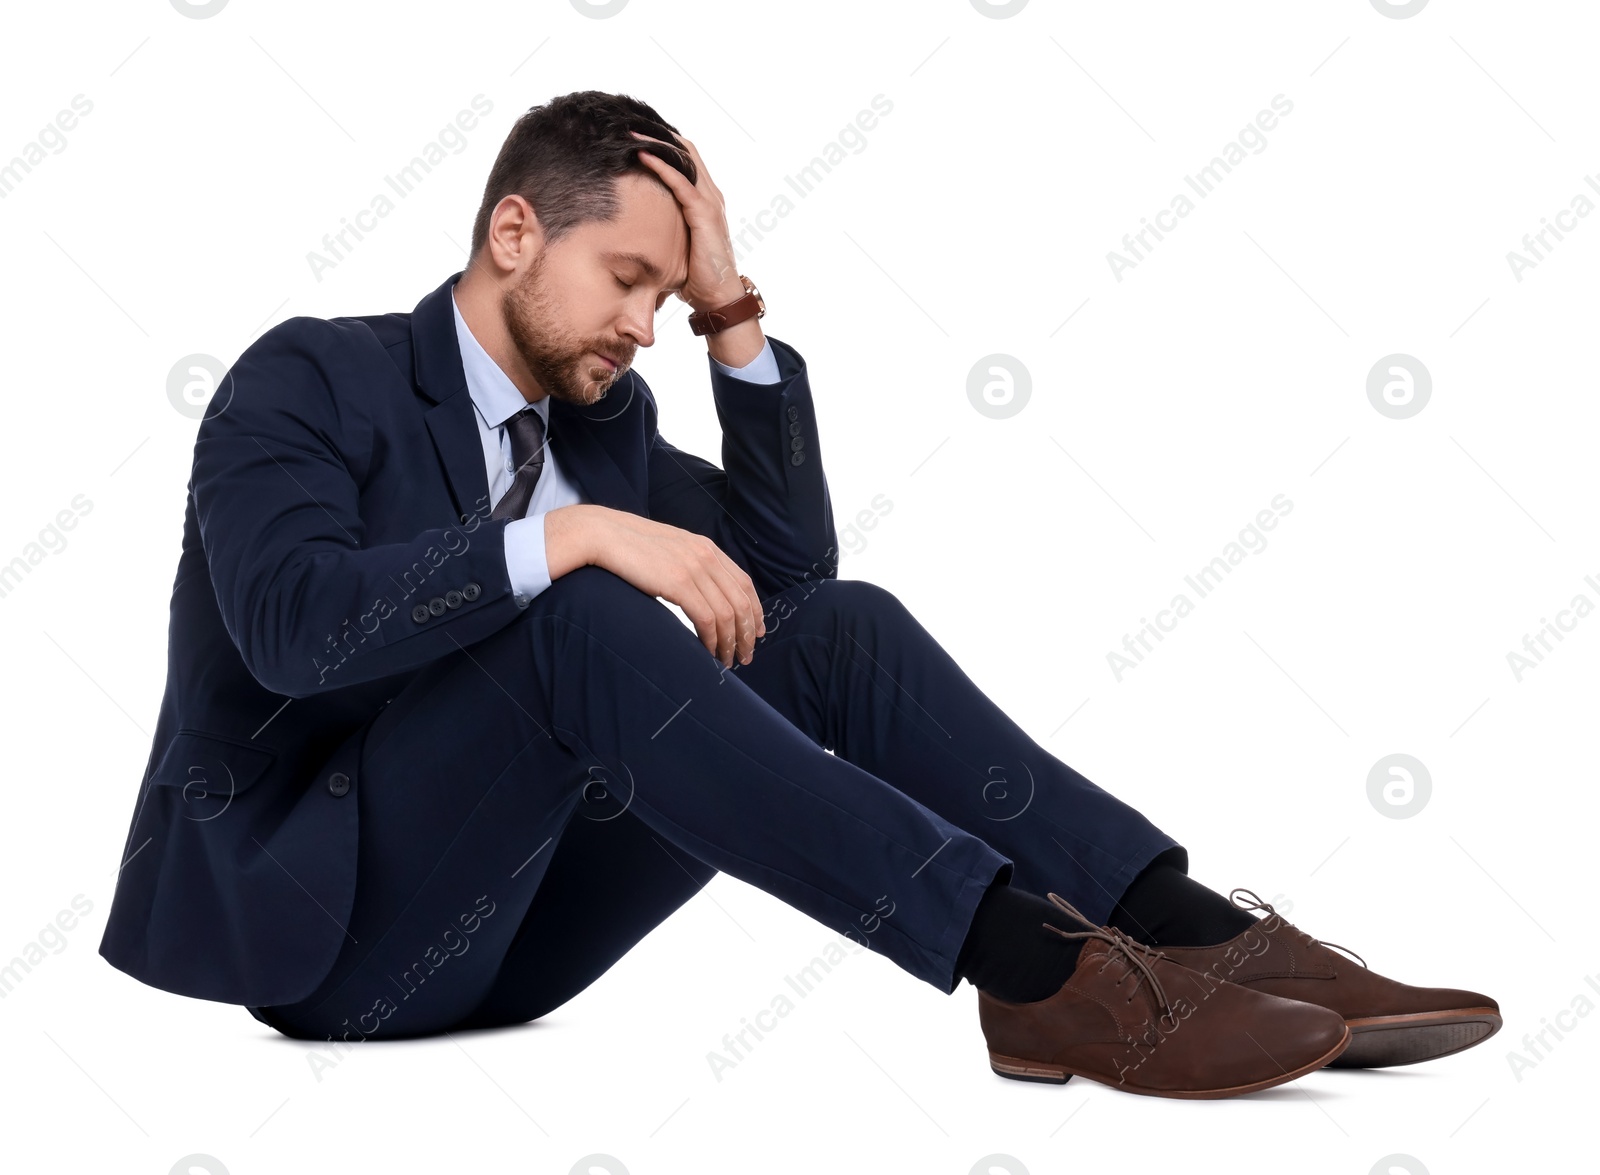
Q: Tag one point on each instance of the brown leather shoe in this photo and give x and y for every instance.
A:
(1393, 1023)
(1132, 1019)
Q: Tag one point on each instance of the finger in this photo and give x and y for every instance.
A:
(703, 617)
(758, 620)
(713, 610)
(701, 172)
(723, 615)
(652, 139)
(750, 625)
(680, 143)
(656, 158)
(669, 175)
(694, 597)
(742, 624)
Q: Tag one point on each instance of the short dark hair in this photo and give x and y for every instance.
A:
(565, 156)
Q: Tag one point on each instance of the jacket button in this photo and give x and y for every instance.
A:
(436, 605)
(794, 413)
(420, 613)
(470, 592)
(797, 443)
(338, 783)
(452, 599)
(797, 458)
(794, 428)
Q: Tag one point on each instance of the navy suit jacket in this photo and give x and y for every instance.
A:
(336, 540)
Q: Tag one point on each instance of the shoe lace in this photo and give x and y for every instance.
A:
(1253, 902)
(1135, 953)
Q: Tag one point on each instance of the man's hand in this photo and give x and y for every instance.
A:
(680, 566)
(713, 279)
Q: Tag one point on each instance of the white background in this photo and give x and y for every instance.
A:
(1228, 367)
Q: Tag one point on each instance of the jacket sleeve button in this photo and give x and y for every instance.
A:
(436, 605)
(797, 458)
(470, 592)
(420, 613)
(452, 599)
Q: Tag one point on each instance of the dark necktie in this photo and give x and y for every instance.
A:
(527, 451)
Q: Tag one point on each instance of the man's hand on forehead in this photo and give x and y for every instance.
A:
(713, 279)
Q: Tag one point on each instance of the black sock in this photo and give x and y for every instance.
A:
(1165, 907)
(1008, 954)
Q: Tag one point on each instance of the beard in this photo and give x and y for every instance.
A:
(561, 364)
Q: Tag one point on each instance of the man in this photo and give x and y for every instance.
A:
(433, 752)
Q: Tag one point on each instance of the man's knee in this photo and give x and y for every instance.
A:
(864, 595)
(849, 598)
(592, 592)
(604, 606)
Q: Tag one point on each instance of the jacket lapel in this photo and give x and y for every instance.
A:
(455, 436)
(440, 378)
(585, 459)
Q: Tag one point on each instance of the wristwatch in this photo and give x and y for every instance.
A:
(709, 322)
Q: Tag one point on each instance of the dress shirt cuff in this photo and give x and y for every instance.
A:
(526, 564)
(763, 369)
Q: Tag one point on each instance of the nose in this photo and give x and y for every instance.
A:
(640, 330)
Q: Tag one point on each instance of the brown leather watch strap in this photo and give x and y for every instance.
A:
(709, 322)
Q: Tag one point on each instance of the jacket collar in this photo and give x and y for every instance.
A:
(583, 455)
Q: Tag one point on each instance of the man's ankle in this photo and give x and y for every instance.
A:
(1009, 954)
(1164, 906)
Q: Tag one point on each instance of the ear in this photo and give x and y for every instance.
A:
(514, 234)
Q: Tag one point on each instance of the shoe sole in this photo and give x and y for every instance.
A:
(1019, 1069)
(1382, 1041)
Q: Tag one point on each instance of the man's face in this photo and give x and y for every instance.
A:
(592, 294)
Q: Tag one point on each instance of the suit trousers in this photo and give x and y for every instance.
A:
(536, 803)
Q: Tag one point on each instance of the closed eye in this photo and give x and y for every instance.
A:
(660, 302)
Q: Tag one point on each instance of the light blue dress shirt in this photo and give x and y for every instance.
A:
(497, 400)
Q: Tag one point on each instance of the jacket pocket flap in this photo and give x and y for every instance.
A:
(210, 764)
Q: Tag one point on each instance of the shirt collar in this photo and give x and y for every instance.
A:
(493, 394)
